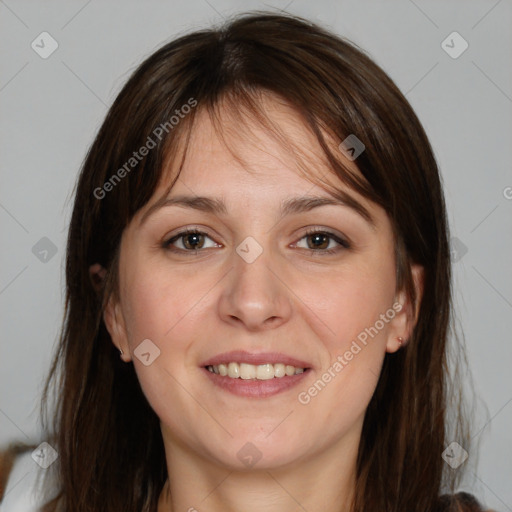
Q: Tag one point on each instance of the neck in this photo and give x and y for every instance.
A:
(196, 484)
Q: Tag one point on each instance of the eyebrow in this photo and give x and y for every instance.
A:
(290, 206)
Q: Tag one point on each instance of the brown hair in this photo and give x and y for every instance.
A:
(102, 413)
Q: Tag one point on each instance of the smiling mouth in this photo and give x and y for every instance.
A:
(245, 371)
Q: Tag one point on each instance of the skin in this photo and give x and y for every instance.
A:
(291, 299)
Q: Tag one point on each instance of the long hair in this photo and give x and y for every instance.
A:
(101, 413)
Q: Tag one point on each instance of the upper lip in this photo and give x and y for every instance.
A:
(242, 356)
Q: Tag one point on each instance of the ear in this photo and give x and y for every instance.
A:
(97, 274)
(404, 321)
(112, 315)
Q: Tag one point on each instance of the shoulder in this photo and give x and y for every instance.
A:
(460, 502)
(21, 493)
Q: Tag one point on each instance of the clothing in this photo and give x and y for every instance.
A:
(22, 494)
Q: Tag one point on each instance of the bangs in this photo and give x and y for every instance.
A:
(236, 113)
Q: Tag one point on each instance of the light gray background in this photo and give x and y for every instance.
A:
(51, 109)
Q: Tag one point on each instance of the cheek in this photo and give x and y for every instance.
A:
(160, 308)
(157, 302)
(353, 352)
(349, 301)
(352, 316)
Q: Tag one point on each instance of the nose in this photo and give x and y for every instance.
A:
(255, 295)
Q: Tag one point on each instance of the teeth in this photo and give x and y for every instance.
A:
(247, 371)
(279, 370)
(265, 371)
(290, 370)
(250, 371)
(233, 370)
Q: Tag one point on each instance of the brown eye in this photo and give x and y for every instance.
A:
(188, 241)
(318, 241)
(324, 242)
(193, 241)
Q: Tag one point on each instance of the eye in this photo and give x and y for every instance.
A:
(324, 242)
(317, 241)
(188, 241)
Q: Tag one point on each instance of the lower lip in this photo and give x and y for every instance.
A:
(256, 388)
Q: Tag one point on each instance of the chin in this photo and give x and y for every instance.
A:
(259, 452)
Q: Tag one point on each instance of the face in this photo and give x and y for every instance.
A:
(300, 302)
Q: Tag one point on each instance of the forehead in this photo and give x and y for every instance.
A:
(234, 146)
(256, 161)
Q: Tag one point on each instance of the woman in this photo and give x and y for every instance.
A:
(259, 232)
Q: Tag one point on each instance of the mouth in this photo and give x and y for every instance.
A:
(255, 375)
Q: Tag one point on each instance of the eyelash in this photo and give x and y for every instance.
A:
(343, 244)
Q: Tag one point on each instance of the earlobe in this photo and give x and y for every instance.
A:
(402, 325)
